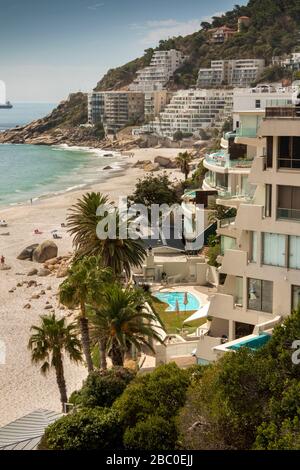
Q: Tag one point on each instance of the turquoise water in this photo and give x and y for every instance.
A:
(254, 344)
(171, 298)
(30, 172)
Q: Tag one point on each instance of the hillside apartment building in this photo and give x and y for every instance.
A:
(115, 109)
(234, 73)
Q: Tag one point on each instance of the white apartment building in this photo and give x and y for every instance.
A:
(261, 246)
(161, 69)
(235, 73)
(190, 111)
(291, 61)
(115, 109)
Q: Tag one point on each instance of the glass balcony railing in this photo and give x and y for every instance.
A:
(289, 214)
(246, 132)
(223, 160)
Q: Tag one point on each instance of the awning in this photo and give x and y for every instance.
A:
(201, 313)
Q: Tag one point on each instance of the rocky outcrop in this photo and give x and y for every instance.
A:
(165, 162)
(27, 252)
(47, 250)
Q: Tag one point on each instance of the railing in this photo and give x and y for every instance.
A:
(225, 162)
(246, 132)
(287, 213)
(282, 112)
(289, 163)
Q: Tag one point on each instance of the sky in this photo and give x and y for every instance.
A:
(49, 48)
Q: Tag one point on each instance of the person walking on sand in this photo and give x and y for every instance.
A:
(2, 260)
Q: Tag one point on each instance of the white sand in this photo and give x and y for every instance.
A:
(22, 387)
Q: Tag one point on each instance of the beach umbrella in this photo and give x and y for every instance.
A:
(186, 299)
(177, 306)
(201, 313)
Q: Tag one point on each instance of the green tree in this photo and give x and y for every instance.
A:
(123, 321)
(154, 434)
(118, 252)
(183, 162)
(155, 190)
(48, 343)
(87, 429)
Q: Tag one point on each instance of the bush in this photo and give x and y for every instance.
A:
(155, 190)
(154, 434)
(97, 429)
(160, 393)
(102, 388)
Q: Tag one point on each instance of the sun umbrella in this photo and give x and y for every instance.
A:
(201, 313)
(177, 306)
(186, 299)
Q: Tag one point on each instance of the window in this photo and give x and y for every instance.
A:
(257, 104)
(227, 243)
(295, 297)
(274, 249)
(268, 201)
(253, 254)
(269, 152)
(289, 152)
(294, 252)
(260, 295)
(288, 202)
(238, 291)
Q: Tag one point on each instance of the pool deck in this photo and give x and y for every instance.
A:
(201, 292)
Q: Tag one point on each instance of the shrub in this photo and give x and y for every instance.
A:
(154, 434)
(102, 388)
(97, 429)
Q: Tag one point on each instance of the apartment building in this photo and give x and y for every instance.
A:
(160, 71)
(234, 73)
(260, 262)
(291, 61)
(115, 109)
(190, 111)
(155, 102)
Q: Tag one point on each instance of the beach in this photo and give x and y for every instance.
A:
(22, 387)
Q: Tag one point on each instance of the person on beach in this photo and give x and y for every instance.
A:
(2, 260)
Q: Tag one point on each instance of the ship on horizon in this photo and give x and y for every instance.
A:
(6, 105)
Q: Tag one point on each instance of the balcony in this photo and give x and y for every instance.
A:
(246, 132)
(234, 262)
(283, 112)
(288, 214)
(221, 160)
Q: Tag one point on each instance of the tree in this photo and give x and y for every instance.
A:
(102, 388)
(154, 434)
(118, 252)
(87, 429)
(48, 343)
(155, 190)
(178, 135)
(219, 212)
(183, 162)
(123, 321)
(85, 279)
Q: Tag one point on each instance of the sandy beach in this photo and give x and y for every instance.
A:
(22, 387)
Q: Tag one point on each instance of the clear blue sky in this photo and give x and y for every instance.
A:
(51, 47)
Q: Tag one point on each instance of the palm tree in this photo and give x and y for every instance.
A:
(122, 321)
(85, 280)
(183, 162)
(48, 343)
(119, 253)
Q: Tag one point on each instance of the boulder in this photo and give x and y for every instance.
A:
(142, 163)
(44, 252)
(44, 272)
(62, 271)
(32, 284)
(27, 252)
(165, 162)
(32, 272)
(107, 168)
(151, 167)
(27, 306)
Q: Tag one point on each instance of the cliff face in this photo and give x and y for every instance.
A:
(274, 30)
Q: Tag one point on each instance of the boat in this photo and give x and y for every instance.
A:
(6, 105)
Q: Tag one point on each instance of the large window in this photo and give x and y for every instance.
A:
(254, 247)
(238, 291)
(260, 295)
(274, 249)
(288, 202)
(289, 152)
(227, 243)
(294, 252)
(295, 297)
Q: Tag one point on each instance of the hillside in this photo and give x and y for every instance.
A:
(274, 30)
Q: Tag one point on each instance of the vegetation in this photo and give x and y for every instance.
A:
(102, 388)
(173, 321)
(49, 342)
(121, 321)
(196, 180)
(155, 190)
(155, 433)
(90, 222)
(86, 279)
(183, 162)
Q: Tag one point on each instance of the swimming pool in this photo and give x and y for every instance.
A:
(172, 298)
(254, 343)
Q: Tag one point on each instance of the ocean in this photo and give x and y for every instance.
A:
(32, 172)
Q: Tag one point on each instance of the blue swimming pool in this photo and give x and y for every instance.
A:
(172, 298)
(254, 343)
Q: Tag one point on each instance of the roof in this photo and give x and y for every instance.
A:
(25, 433)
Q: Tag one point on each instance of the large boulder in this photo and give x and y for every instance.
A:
(28, 252)
(47, 250)
(165, 162)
